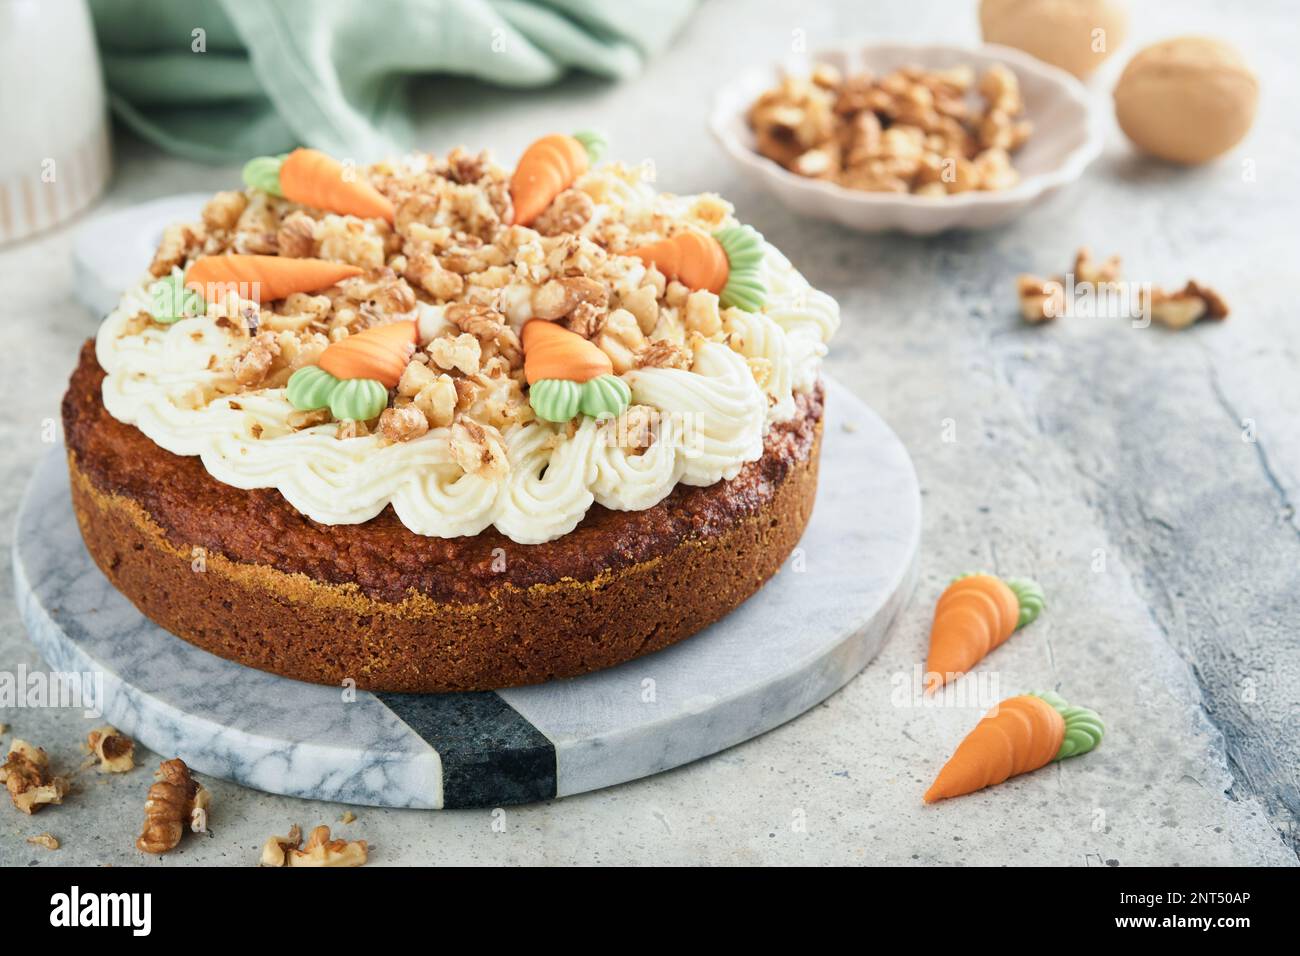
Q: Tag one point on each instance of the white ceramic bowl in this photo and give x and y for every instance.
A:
(1066, 139)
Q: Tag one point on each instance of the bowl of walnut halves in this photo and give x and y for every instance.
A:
(895, 136)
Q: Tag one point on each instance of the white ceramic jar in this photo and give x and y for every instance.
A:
(54, 143)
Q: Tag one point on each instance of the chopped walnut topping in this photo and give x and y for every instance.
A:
(663, 355)
(557, 298)
(223, 210)
(298, 419)
(461, 352)
(702, 314)
(489, 327)
(26, 775)
(425, 271)
(114, 750)
(296, 237)
(637, 427)
(568, 212)
(252, 367)
(437, 400)
(586, 319)
(643, 303)
(621, 339)
(176, 800)
(319, 850)
(402, 424)
(478, 450)
(180, 242)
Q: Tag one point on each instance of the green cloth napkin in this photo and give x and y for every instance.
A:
(223, 80)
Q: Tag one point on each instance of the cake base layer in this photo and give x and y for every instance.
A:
(245, 576)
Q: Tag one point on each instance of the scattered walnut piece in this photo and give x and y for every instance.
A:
(114, 750)
(46, 839)
(319, 850)
(26, 775)
(1040, 299)
(909, 131)
(1191, 303)
(1087, 270)
(276, 848)
(348, 817)
(1043, 299)
(176, 800)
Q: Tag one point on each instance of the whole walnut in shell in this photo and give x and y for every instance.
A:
(1187, 100)
(1076, 35)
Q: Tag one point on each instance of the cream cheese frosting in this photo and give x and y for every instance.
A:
(711, 418)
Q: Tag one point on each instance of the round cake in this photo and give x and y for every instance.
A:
(438, 426)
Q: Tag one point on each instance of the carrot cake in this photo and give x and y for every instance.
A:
(436, 425)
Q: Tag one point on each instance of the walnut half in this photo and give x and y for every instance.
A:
(175, 800)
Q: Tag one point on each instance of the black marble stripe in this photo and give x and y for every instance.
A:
(491, 756)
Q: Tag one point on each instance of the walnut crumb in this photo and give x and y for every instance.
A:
(402, 424)
(26, 775)
(46, 839)
(114, 751)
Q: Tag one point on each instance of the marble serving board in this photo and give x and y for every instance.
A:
(804, 635)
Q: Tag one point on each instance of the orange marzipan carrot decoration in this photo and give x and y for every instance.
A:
(380, 352)
(1018, 735)
(974, 615)
(266, 278)
(547, 168)
(314, 179)
(552, 351)
(692, 258)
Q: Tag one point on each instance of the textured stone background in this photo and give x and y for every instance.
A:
(1084, 439)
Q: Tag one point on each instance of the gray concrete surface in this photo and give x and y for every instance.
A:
(1105, 460)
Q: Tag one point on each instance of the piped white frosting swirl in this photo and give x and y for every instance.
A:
(712, 421)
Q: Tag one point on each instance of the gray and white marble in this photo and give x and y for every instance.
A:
(816, 624)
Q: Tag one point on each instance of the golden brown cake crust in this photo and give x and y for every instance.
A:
(244, 575)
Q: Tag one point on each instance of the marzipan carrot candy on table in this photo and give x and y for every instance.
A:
(265, 278)
(1018, 735)
(547, 168)
(567, 374)
(727, 263)
(315, 179)
(976, 613)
